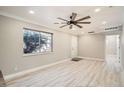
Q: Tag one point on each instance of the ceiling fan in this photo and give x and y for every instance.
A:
(72, 21)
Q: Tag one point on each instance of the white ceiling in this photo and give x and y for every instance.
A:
(47, 15)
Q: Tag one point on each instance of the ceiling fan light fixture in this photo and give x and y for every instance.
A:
(73, 28)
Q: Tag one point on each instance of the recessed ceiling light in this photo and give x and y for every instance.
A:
(31, 12)
(97, 9)
(104, 22)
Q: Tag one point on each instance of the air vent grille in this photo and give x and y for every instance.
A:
(114, 28)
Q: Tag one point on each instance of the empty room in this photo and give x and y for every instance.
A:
(61, 46)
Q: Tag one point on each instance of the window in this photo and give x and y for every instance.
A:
(35, 42)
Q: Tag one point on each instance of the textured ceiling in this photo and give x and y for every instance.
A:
(46, 16)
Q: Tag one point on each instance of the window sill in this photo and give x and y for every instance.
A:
(36, 54)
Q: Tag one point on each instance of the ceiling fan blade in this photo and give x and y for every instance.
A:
(63, 22)
(63, 26)
(83, 22)
(78, 26)
(62, 19)
(70, 26)
(73, 16)
(87, 17)
(56, 23)
(60, 23)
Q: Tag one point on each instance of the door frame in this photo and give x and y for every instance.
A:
(72, 38)
(119, 46)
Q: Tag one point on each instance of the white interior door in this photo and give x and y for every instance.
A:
(74, 46)
(113, 48)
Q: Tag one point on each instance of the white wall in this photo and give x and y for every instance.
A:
(92, 46)
(11, 47)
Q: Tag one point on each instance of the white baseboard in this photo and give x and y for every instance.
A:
(22, 73)
(91, 58)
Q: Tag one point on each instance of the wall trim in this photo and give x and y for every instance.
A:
(25, 72)
(92, 58)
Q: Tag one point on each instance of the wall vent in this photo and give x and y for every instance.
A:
(114, 28)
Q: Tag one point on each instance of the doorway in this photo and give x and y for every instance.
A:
(112, 48)
(74, 46)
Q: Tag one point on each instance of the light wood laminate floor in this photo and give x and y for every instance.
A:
(84, 73)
